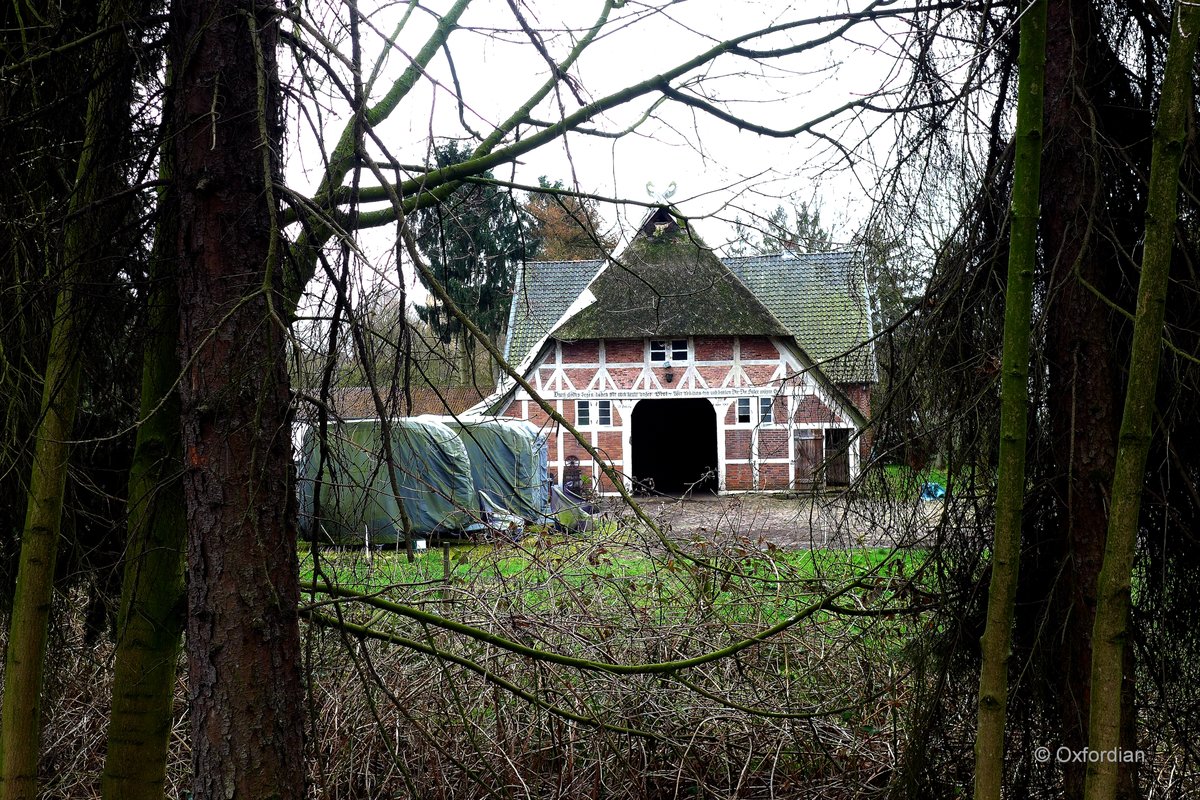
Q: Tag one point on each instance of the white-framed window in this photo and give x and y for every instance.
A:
(743, 409)
(593, 412)
(766, 410)
(673, 350)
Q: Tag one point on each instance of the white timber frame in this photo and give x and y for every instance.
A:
(624, 383)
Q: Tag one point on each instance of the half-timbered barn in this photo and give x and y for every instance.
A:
(689, 372)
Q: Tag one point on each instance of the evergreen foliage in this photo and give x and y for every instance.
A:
(474, 240)
(800, 231)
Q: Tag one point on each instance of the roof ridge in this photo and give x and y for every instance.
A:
(667, 282)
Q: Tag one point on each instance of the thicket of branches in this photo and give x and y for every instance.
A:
(547, 684)
(1103, 64)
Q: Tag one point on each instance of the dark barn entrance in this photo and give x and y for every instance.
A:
(674, 445)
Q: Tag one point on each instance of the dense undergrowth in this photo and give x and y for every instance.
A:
(536, 669)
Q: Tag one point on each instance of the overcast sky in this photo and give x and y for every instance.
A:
(718, 171)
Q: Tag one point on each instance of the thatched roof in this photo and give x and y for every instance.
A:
(820, 299)
(668, 283)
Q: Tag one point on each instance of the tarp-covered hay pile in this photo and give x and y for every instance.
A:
(451, 474)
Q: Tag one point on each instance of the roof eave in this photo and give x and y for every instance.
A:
(813, 368)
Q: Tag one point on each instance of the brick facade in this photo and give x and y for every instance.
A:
(753, 453)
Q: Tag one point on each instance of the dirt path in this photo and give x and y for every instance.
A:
(793, 522)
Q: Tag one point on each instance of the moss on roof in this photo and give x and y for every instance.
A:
(668, 283)
(820, 298)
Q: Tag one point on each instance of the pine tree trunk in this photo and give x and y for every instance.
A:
(1083, 396)
(243, 640)
(86, 243)
(150, 623)
(1010, 490)
(1111, 629)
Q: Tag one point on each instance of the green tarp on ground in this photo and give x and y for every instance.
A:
(432, 474)
(441, 465)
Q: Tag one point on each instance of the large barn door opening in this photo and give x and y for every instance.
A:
(674, 445)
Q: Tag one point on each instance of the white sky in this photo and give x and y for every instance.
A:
(718, 171)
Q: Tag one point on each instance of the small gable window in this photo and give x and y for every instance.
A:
(674, 350)
(766, 413)
(593, 412)
(743, 409)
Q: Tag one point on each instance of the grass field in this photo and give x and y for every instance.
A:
(744, 657)
(542, 574)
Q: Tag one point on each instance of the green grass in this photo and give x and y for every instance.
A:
(905, 482)
(601, 575)
(389, 568)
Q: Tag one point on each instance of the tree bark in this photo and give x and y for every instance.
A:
(24, 665)
(150, 622)
(1010, 490)
(86, 242)
(243, 640)
(39, 150)
(1084, 383)
(1111, 627)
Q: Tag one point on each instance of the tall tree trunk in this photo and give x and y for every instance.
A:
(92, 217)
(1111, 627)
(24, 665)
(150, 622)
(39, 144)
(1084, 385)
(243, 639)
(1010, 490)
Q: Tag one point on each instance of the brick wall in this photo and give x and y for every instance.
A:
(758, 348)
(624, 377)
(574, 448)
(609, 445)
(713, 376)
(624, 351)
(860, 396)
(606, 485)
(760, 374)
(586, 352)
(772, 443)
(580, 378)
(539, 417)
(773, 476)
(714, 348)
(738, 477)
(737, 443)
(811, 409)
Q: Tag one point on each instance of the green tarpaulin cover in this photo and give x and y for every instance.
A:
(440, 466)
(508, 461)
(354, 490)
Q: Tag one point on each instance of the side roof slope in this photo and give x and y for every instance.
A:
(822, 300)
(544, 291)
